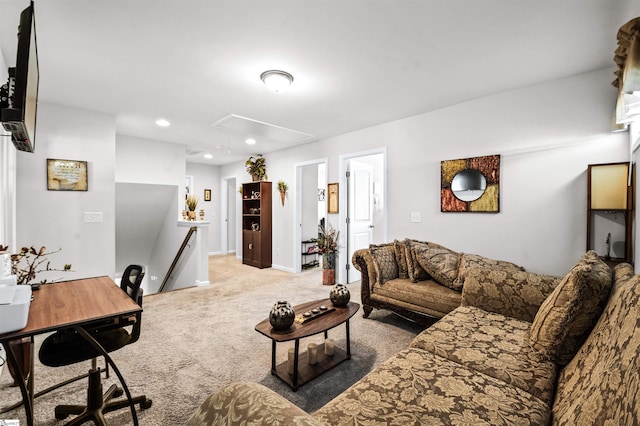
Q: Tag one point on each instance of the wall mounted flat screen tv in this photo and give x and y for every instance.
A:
(19, 117)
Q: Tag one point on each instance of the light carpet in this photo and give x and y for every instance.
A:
(196, 340)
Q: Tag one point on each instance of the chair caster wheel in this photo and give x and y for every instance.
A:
(118, 393)
(61, 416)
(146, 404)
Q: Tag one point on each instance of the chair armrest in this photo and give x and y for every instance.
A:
(516, 294)
(249, 403)
(363, 262)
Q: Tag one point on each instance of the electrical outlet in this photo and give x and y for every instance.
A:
(415, 217)
(93, 217)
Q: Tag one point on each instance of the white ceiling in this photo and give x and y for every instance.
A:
(356, 63)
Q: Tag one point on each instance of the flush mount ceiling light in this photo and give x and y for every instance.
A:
(250, 141)
(163, 122)
(208, 156)
(276, 81)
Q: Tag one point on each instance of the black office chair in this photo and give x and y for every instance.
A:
(67, 347)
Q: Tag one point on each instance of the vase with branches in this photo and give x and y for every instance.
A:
(328, 247)
(26, 265)
(29, 262)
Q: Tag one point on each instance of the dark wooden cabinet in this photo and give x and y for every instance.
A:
(256, 224)
(610, 207)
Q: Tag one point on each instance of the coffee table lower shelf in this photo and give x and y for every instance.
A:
(306, 371)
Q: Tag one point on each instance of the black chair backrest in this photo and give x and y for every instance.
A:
(131, 280)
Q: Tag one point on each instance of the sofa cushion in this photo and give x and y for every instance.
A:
(384, 262)
(440, 262)
(249, 403)
(568, 314)
(492, 344)
(601, 384)
(521, 298)
(426, 296)
(415, 271)
(419, 387)
(401, 258)
(469, 261)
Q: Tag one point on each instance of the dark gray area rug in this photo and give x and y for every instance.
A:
(195, 341)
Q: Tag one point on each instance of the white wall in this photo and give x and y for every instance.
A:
(546, 135)
(208, 177)
(55, 219)
(7, 178)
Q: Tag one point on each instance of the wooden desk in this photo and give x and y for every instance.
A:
(65, 304)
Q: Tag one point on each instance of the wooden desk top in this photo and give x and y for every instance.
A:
(318, 325)
(66, 303)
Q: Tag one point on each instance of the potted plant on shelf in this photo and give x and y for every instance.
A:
(256, 167)
(328, 247)
(282, 187)
(192, 204)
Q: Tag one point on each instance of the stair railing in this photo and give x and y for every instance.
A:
(176, 259)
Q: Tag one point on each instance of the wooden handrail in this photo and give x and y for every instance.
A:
(185, 243)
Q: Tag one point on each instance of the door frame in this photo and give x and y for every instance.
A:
(224, 208)
(297, 233)
(343, 201)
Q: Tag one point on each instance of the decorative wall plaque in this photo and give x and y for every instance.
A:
(66, 175)
(470, 185)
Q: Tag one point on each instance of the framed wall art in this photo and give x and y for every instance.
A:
(207, 195)
(66, 175)
(470, 185)
(332, 204)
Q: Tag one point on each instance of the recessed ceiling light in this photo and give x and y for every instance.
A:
(163, 122)
(276, 80)
(208, 156)
(250, 141)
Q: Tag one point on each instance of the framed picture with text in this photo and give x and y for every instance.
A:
(332, 204)
(207, 195)
(66, 175)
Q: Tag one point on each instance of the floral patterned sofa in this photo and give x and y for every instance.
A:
(522, 349)
(419, 280)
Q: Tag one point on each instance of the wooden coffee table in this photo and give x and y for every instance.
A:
(302, 370)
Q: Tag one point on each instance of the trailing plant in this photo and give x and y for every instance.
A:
(29, 262)
(256, 166)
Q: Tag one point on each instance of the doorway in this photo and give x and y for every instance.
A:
(310, 209)
(229, 208)
(363, 220)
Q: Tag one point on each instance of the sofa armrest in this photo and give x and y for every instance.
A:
(249, 403)
(517, 294)
(363, 262)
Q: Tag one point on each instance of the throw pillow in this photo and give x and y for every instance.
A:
(401, 258)
(569, 313)
(415, 271)
(440, 262)
(468, 261)
(384, 262)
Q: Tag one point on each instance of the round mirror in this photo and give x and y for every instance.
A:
(468, 185)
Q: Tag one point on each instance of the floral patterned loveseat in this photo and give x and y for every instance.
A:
(522, 349)
(419, 280)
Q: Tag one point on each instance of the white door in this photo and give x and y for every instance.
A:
(360, 211)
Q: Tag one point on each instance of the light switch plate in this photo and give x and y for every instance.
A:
(415, 217)
(93, 217)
